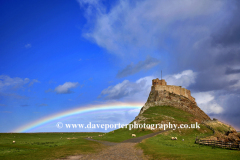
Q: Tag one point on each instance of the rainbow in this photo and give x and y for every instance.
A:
(78, 110)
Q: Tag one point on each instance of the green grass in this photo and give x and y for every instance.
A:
(45, 145)
(122, 134)
(162, 147)
(157, 114)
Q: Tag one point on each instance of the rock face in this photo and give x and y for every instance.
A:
(166, 98)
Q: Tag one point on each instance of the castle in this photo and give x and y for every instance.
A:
(161, 85)
(173, 96)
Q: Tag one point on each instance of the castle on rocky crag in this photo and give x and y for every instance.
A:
(161, 85)
(162, 94)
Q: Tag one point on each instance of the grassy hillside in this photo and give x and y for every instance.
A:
(158, 114)
(220, 127)
(45, 145)
(154, 115)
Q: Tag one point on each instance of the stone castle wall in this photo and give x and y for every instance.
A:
(165, 98)
(161, 85)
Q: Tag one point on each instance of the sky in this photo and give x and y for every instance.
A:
(62, 55)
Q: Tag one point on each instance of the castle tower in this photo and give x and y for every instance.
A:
(161, 85)
(159, 82)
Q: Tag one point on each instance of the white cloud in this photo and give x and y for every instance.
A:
(134, 112)
(140, 89)
(130, 26)
(206, 101)
(28, 45)
(131, 91)
(184, 79)
(65, 88)
(33, 81)
(6, 81)
(120, 90)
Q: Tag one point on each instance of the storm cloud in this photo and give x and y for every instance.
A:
(202, 36)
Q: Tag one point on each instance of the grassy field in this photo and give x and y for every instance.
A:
(45, 145)
(162, 147)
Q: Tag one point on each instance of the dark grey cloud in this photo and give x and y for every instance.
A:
(229, 34)
(141, 65)
(232, 71)
(229, 57)
(231, 114)
(215, 55)
(213, 79)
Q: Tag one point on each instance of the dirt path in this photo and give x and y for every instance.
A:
(120, 151)
(117, 151)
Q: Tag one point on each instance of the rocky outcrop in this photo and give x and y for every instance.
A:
(165, 98)
(223, 131)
